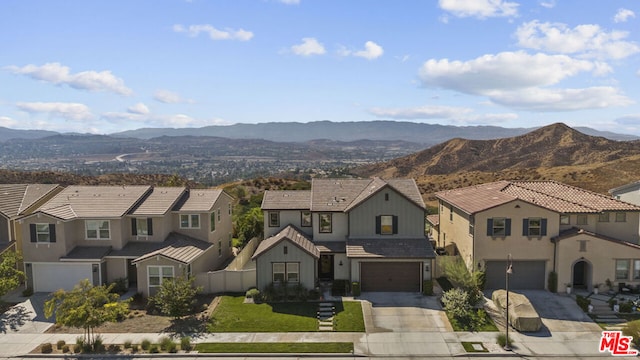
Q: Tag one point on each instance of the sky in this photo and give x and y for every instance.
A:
(105, 66)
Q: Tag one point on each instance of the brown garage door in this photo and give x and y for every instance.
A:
(525, 275)
(390, 276)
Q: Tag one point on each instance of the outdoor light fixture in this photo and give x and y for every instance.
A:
(509, 272)
(340, 263)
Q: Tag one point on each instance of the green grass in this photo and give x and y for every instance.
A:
(349, 317)
(468, 347)
(275, 348)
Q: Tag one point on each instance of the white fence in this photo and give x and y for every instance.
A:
(237, 277)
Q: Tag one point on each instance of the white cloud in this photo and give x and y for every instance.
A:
(138, 108)
(170, 97)
(538, 99)
(480, 9)
(586, 40)
(548, 4)
(69, 111)
(214, 34)
(631, 119)
(623, 15)
(58, 74)
(309, 46)
(371, 51)
(290, 2)
(159, 120)
(422, 112)
(6, 121)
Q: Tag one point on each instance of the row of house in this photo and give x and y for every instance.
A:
(370, 231)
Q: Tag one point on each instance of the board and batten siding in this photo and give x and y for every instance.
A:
(287, 217)
(339, 227)
(308, 264)
(411, 218)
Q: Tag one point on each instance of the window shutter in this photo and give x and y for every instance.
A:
(543, 227)
(32, 230)
(149, 226)
(525, 227)
(52, 233)
(134, 227)
(378, 225)
(489, 227)
(395, 224)
(507, 225)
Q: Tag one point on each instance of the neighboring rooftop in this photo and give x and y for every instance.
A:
(292, 234)
(199, 200)
(159, 201)
(286, 200)
(16, 198)
(551, 195)
(625, 187)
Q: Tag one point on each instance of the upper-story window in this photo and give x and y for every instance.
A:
(212, 221)
(582, 219)
(189, 221)
(499, 227)
(386, 224)
(621, 217)
(43, 233)
(325, 222)
(603, 217)
(565, 219)
(97, 229)
(450, 212)
(141, 226)
(219, 215)
(534, 227)
(305, 218)
(274, 219)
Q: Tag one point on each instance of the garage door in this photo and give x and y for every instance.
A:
(51, 277)
(390, 276)
(525, 275)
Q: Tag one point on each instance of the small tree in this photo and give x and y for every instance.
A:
(250, 225)
(10, 276)
(456, 271)
(177, 297)
(86, 307)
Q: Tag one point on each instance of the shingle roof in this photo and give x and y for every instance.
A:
(199, 200)
(286, 200)
(292, 234)
(16, 198)
(180, 248)
(397, 248)
(86, 253)
(94, 201)
(159, 201)
(551, 195)
(345, 194)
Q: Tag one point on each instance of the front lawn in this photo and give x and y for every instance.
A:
(478, 320)
(233, 315)
(276, 348)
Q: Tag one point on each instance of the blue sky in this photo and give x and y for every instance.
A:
(108, 66)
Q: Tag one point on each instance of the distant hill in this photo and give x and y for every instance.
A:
(6, 134)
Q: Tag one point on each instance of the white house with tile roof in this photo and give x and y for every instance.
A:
(545, 226)
(367, 230)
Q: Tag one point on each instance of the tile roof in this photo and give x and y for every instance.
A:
(574, 231)
(433, 219)
(198, 200)
(292, 234)
(286, 200)
(94, 201)
(392, 248)
(16, 198)
(345, 194)
(159, 201)
(180, 248)
(551, 195)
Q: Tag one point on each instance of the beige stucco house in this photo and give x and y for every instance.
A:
(545, 226)
(143, 234)
(365, 230)
(629, 192)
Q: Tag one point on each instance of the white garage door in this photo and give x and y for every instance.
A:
(51, 277)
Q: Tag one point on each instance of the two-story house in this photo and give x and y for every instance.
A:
(629, 192)
(366, 230)
(139, 233)
(544, 226)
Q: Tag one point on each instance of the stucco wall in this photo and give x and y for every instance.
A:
(116, 269)
(143, 278)
(45, 252)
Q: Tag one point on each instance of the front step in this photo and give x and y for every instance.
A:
(326, 312)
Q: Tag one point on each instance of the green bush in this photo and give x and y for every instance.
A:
(427, 287)
(633, 329)
(165, 343)
(253, 293)
(626, 307)
(480, 278)
(145, 344)
(65, 348)
(185, 343)
(154, 349)
(77, 348)
(502, 340)
(583, 302)
(60, 344)
(46, 348)
(119, 286)
(612, 302)
(127, 344)
(552, 282)
(355, 288)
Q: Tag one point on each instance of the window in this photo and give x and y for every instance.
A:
(42, 233)
(159, 274)
(534, 227)
(582, 219)
(603, 217)
(219, 248)
(97, 229)
(212, 221)
(325, 222)
(386, 224)
(229, 206)
(305, 219)
(219, 215)
(289, 272)
(622, 269)
(143, 227)
(450, 212)
(636, 269)
(189, 221)
(621, 217)
(499, 227)
(564, 219)
(583, 245)
(293, 272)
(274, 219)
(278, 272)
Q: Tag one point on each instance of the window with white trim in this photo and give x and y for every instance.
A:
(97, 229)
(499, 227)
(564, 219)
(142, 227)
(159, 274)
(278, 270)
(189, 221)
(42, 233)
(622, 269)
(636, 269)
(293, 272)
(289, 272)
(534, 226)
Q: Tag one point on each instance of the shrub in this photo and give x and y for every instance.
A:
(300, 292)
(46, 348)
(633, 329)
(154, 349)
(119, 286)
(552, 282)
(456, 303)
(612, 302)
(145, 344)
(314, 294)
(60, 344)
(355, 288)
(77, 348)
(583, 302)
(185, 343)
(134, 348)
(626, 307)
(254, 294)
(65, 348)
(98, 344)
(27, 292)
(427, 287)
(480, 278)
(177, 297)
(172, 348)
(127, 344)
(165, 343)
(502, 340)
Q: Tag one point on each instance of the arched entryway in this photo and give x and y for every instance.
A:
(581, 274)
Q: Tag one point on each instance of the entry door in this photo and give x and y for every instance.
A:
(325, 267)
(580, 273)
(132, 274)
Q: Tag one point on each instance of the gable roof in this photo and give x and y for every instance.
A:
(94, 201)
(16, 198)
(179, 247)
(550, 195)
(159, 201)
(292, 234)
(574, 231)
(625, 187)
(198, 200)
(286, 200)
(345, 194)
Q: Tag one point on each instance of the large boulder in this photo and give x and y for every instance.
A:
(522, 315)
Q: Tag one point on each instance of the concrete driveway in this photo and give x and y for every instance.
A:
(403, 312)
(27, 317)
